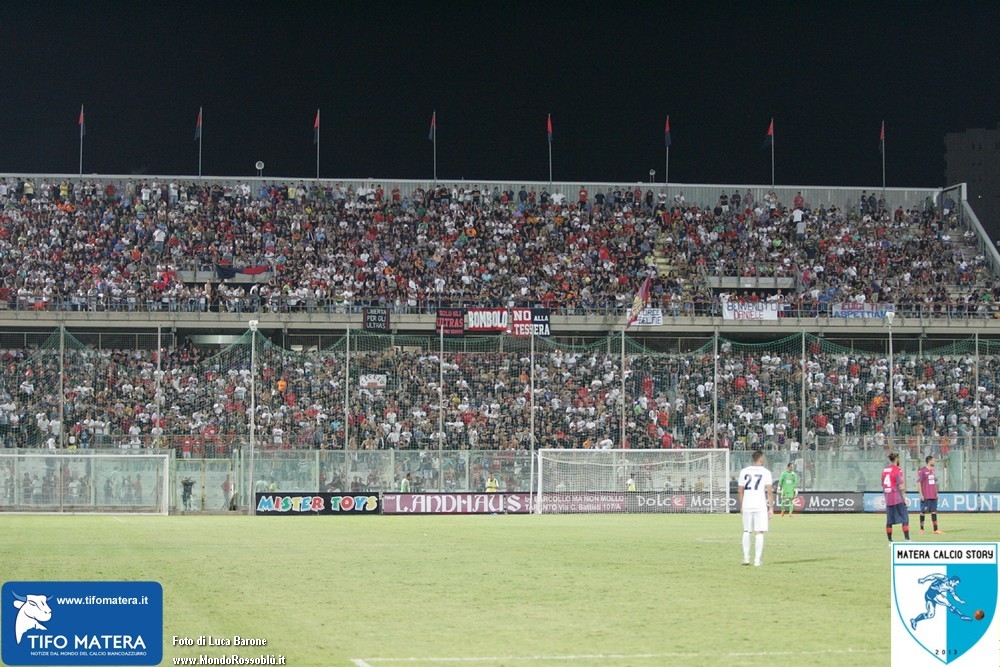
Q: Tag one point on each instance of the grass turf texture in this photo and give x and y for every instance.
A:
(633, 589)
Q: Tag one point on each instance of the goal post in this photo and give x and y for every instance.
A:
(76, 483)
(633, 481)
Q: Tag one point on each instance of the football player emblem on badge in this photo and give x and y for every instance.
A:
(944, 602)
(941, 586)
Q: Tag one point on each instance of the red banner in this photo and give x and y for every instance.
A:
(523, 321)
(487, 319)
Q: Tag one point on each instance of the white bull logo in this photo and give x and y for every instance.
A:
(33, 608)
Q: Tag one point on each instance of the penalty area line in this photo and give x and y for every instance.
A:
(373, 662)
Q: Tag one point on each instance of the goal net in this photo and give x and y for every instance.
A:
(83, 483)
(632, 480)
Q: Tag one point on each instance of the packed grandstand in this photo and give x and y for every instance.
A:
(150, 245)
(79, 246)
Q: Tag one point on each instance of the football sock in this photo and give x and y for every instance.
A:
(922, 522)
(906, 532)
(746, 547)
(934, 521)
(888, 531)
(759, 546)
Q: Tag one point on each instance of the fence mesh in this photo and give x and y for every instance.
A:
(430, 399)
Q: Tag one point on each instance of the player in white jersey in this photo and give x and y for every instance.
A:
(756, 494)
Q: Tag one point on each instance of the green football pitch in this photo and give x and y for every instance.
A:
(383, 591)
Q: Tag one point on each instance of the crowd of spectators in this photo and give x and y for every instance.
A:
(202, 405)
(84, 245)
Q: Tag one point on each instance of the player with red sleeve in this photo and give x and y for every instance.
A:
(895, 497)
(927, 480)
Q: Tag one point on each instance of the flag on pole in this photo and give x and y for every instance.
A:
(881, 140)
(549, 128)
(197, 126)
(81, 123)
(432, 133)
(666, 133)
(316, 128)
(640, 301)
(769, 138)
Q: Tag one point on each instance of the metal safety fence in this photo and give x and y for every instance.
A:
(413, 395)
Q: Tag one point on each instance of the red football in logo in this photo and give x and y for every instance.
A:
(799, 502)
(679, 502)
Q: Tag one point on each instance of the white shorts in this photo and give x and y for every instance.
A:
(755, 521)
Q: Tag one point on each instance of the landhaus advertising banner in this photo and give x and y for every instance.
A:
(456, 503)
(850, 309)
(760, 310)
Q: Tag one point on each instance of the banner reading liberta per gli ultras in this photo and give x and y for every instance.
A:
(81, 622)
(944, 604)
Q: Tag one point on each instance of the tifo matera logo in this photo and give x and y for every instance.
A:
(32, 609)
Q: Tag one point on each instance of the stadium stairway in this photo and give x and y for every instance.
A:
(660, 261)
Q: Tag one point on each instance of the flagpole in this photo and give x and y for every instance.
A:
(883, 159)
(548, 131)
(621, 440)
(317, 144)
(550, 165)
(772, 159)
(82, 122)
(667, 142)
(200, 134)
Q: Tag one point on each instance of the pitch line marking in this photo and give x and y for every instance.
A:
(370, 662)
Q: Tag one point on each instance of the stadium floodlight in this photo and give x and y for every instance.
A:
(890, 316)
(652, 173)
(254, 324)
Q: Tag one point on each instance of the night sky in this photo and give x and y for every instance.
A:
(608, 73)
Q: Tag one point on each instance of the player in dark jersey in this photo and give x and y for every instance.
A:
(927, 482)
(895, 497)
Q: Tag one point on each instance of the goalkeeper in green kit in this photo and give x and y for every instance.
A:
(786, 487)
